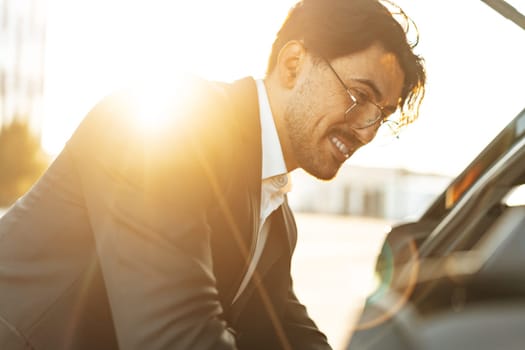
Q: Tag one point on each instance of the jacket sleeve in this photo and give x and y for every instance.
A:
(146, 192)
(301, 330)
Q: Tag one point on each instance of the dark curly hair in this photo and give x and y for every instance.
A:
(336, 28)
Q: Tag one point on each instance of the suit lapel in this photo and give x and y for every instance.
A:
(289, 225)
(246, 175)
(281, 238)
(244, 95)
(282, 235)
(281, 241)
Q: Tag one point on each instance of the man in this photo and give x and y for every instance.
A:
(181, 237)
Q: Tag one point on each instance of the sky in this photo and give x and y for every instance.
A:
(474, 60)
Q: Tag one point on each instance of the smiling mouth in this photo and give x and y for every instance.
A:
(341, 146)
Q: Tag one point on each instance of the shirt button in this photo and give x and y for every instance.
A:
(280, 181)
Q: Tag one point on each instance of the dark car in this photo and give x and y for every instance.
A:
(455, 279)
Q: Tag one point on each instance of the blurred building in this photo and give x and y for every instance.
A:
(22, 51)
(390, 193)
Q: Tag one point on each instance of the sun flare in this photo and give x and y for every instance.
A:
(85, 61)
(153, 110)
(161, 101)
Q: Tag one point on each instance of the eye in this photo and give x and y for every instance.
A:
(360, 95)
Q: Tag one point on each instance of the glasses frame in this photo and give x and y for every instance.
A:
(381, 118)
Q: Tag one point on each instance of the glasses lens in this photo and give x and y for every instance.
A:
(364, 115)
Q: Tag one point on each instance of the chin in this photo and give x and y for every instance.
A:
(325, 177)
(323, 167)
(322, 174)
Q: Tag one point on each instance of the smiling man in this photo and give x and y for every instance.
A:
(181, 237)
(319, 134)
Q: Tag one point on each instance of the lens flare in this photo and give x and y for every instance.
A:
(396, 284)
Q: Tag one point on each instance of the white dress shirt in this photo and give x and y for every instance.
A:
(275, 182)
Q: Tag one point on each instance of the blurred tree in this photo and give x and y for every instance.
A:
(22, 160)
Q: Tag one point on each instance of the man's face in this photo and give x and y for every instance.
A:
(320, 136)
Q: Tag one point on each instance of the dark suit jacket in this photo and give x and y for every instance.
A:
(139, 239)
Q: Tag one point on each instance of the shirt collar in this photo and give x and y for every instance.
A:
(272, 155)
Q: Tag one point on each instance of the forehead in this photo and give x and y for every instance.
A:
(373, 66)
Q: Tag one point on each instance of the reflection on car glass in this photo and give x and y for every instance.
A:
(500, 145)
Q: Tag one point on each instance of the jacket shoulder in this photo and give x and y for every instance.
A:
(173, 135)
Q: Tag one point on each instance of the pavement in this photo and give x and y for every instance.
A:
(333, 269)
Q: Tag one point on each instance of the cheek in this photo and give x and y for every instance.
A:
(320, 127)
(319, 107)
(327, 112)
(330, 118)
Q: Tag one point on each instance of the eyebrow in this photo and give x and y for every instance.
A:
(377, 92)
(371, 85)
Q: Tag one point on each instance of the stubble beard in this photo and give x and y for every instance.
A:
(306, 150)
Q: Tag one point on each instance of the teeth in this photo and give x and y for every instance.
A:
(341, 146)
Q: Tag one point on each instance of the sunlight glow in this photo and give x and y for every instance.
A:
(133, 39)
(154, 107)
(161, 101)
(94, 46)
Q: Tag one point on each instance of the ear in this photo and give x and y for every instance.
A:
(290, 62)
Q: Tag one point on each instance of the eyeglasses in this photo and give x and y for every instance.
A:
(366, 113)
